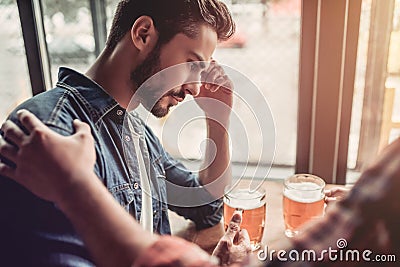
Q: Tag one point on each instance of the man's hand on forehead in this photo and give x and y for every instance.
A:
(215, 97)
(214, 78)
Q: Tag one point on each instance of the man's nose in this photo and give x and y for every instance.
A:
(192, 88)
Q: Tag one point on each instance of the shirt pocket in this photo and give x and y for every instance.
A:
(123, 194)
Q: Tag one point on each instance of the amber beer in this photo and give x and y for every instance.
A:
(253, 208)
(303, 200)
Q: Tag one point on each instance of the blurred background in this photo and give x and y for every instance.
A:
(266, 48)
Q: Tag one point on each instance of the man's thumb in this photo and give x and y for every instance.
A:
(234, 225)
(244, 238)
(81, 127)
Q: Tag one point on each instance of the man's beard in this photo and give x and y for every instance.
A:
(150, 97)
(158, 110)
(148, 68)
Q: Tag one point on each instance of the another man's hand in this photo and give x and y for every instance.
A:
(335, 194)
(234, 246)
(45, 160)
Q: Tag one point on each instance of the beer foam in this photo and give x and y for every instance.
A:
(241, 199)
(305, 192)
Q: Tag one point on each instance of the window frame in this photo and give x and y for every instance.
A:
(328, 56)
(30, 14)
(34, 34)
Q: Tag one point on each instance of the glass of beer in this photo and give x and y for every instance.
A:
(303, 200)
(253, 206)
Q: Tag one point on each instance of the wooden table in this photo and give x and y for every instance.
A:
(208, 238)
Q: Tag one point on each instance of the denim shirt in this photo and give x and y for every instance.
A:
(34, 232)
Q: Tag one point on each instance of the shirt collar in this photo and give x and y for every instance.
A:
(100, 101)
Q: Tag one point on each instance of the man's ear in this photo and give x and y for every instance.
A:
(143, 34)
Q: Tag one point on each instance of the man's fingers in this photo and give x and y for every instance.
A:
(29, 120)
(328, 193)
(7, 171)
(12, 133)
(224, 246)
(336, 193)
(214, 77)
(221, 251)
(221, 82)
(7, 150)
(82, 132)
(244, 239)
(234, 225)
(225, 87)
(81, 127)
(330, 199)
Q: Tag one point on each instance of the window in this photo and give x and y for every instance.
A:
(69, 34)
(375, 118)
(265, 48)
(111, 6)
(14, 76)
(359, 85)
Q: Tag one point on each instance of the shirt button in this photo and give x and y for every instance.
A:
(135, 185)
(127, 138)
(120, 112)
(154, 212)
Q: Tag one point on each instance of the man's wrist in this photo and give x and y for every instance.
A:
(74, 187)
(217, 124)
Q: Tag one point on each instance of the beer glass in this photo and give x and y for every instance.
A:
(303, 200)
(253, 206)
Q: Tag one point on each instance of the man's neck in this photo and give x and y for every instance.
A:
(111, 70)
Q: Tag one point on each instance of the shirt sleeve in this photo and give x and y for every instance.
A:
(187, 197)
(185, 194)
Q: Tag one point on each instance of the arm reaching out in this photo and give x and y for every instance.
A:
(64, 175)
(60, 169)
(47, 163)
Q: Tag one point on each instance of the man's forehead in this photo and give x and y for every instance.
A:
(198, 56)
(205, 43)
(203, 63)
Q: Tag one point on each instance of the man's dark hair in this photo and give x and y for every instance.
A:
(171, 17)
